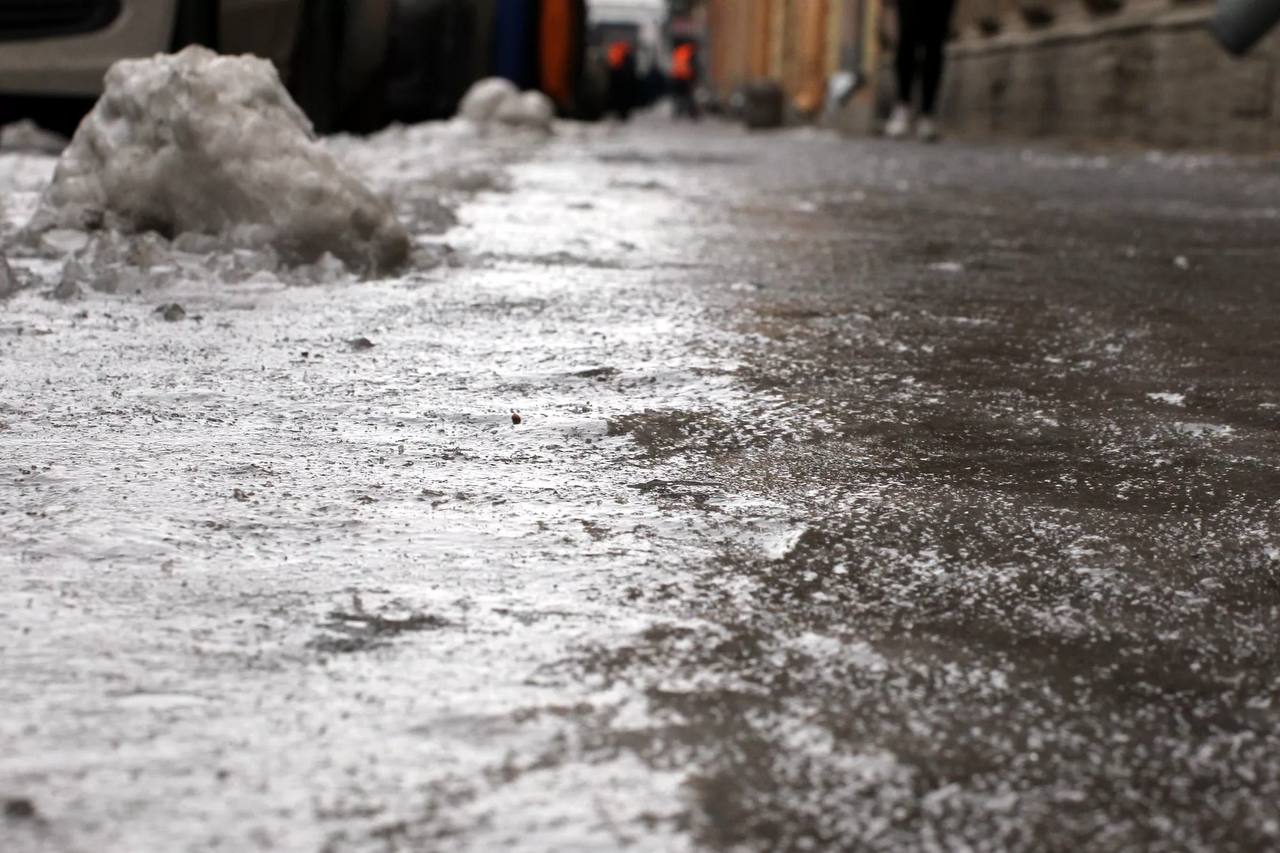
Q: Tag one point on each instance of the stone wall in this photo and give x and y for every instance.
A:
(1140, 71)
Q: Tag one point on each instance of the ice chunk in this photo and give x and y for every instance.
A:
(197, 142)
(113, 263)
(68, 289)
(497, 101)
(172, 312)
(26, 135)
(529, 109)
(63, 241)
(485, 98)
(428, 215)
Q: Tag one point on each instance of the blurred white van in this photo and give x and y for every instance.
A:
(54, 53)
(641, 22)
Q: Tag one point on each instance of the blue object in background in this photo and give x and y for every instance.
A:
(515, 29)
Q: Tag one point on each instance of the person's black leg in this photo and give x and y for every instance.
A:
(909, 15)
(934, 25)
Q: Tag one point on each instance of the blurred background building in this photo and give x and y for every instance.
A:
(1140, 71)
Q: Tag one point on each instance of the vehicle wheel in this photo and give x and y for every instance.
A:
(196, 22)
(367, 111)
(314, 65)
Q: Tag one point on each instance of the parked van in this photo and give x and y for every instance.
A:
(53, 55)
(641, 22)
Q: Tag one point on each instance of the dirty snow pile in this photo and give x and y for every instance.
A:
(26, 135)
(197, 143)
(497, 102)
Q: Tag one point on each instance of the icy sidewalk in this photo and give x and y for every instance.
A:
(268, 586)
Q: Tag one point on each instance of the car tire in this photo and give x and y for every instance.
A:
(314, 65)
(196, 22)
(367, 111)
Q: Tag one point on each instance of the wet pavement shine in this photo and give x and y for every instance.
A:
(864, 496)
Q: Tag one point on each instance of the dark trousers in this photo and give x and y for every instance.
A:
(685, 102)
(622, 90)
(922, 32)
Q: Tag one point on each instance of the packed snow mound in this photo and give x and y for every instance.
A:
(529, 109)
(497, 101)
(26, 135)
(197, 142)
(483, 99)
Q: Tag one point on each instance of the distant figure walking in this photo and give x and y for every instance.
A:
(922, 33)
(684, 79)
(621, 56)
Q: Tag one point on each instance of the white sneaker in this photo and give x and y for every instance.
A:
(899, 123)
(927, 130)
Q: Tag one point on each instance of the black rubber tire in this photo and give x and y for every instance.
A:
(367, 111)
(59, 114)
(196, 22)
(314, 65)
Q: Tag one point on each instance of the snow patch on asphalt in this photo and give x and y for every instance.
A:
(336, 581)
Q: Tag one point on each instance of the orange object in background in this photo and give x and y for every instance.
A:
(618, 53)
(682, 62)
(560, 28)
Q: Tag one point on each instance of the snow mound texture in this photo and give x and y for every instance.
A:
(197, 142)
(26, 135)
(497, 101)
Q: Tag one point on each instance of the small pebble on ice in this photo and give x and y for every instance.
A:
(19, 808)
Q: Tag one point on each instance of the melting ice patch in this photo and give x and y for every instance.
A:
(1198, 429)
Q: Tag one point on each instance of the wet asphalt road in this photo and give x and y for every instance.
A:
(1039, 565)
(868, 496)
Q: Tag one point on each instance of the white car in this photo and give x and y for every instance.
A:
(54, 53)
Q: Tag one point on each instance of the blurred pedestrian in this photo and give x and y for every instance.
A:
(684, 79)
(621, 56)
(922, 33)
